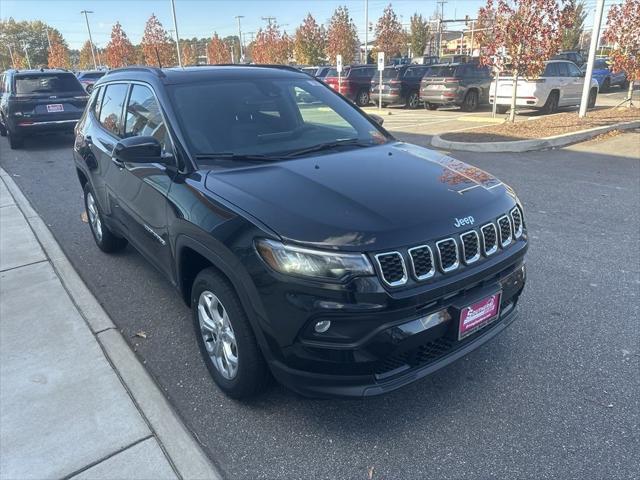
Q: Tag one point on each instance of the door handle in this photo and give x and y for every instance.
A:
(118, 163)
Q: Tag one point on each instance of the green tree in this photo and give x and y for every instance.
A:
(309, 42)
(32, 34)
(419, 34)
(571, 36)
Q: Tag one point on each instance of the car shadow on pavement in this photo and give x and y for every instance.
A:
(44, 142)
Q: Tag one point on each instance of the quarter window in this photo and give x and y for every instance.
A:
(111, 109)
(143, 116)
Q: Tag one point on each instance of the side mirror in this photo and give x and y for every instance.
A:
(139, 150)
(376, 118)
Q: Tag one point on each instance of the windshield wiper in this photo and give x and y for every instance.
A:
(346, 142)
(235, 157)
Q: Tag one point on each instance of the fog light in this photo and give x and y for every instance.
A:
(322, 326)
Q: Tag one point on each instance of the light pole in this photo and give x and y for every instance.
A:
(26, 53)
(93, 54)
(595, 35)
(238, 17)
(366, 32)
(175, 26)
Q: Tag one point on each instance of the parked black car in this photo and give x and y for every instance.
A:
(322, 72)
(400, 85)
(34, 101)
(308, 242)
(462, 84)
(354, 83)
(575, 57)
(89, 78)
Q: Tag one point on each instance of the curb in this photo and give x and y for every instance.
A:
(534, 144)
(179, 445)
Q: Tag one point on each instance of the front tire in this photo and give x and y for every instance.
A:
(593, 95)
(502, 109)
(3, 129)
(105, 239)
(225, 337)
(470, 102)
(606, 85)
(413, 101)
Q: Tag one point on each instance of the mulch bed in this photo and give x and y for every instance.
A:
(545, 126)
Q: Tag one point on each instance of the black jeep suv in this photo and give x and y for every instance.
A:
(400, 84)
(34, 101)
(309, 243)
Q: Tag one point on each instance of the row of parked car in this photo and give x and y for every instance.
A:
(467, 85)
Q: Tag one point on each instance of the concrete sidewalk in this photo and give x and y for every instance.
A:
(75, 402)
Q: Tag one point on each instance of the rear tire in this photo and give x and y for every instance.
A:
(105, 239)
(502, 109)
(3, 129)
(606, 85)
(362, 99)
(470, 102)
(624, 85)
(551, 105)
(225, 337)
(431, 106)
(15, 140)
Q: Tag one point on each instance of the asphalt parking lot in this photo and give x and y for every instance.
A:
(557, 395)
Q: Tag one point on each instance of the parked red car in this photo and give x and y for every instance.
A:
(355, 82)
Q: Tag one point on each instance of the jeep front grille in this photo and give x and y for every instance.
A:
(392, 268)
(504, 225)
(489, 239)
(470, 247)
(422, 262)
(516, 216)
(448, 254)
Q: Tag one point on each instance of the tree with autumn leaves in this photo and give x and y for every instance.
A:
(342, 37)
(528, 32)
(309, 42)
(158, 47)
(270, 46)
(217, 51)
(58, 52)
(623, 32)
(120, 51)
(390, 36)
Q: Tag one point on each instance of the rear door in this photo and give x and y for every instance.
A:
(576, 81)
(48, 97)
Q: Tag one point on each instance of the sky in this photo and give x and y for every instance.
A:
(200, 18)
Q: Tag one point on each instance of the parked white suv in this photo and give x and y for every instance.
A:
(560, 85)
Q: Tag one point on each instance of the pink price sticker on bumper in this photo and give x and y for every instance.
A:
(478, 315)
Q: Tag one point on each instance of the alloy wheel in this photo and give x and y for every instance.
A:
(94, 216)
(218, 335)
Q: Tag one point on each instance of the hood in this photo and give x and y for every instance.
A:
(370, 199)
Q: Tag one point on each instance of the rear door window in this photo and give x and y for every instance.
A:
(47, 83)
(111, 107)
(563, 69)
(550, 70)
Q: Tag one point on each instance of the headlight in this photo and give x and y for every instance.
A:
(313, 263)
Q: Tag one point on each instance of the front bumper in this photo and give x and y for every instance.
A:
(379, 339)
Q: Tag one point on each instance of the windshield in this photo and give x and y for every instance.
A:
(47, 83)
(267, 117)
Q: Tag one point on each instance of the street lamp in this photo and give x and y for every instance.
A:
(175, 26)
(93, 55)
(238, 17)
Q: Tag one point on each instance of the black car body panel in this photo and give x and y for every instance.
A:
(388, 198)
(399, 84)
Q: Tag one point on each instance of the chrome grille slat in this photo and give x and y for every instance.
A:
(516, 217)
(470, 244)
(489, 239)
(422, 262)
(504, 228)
(392, 268)
(448, 254)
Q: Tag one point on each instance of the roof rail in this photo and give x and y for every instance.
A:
(138, 68)
(260, 65)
